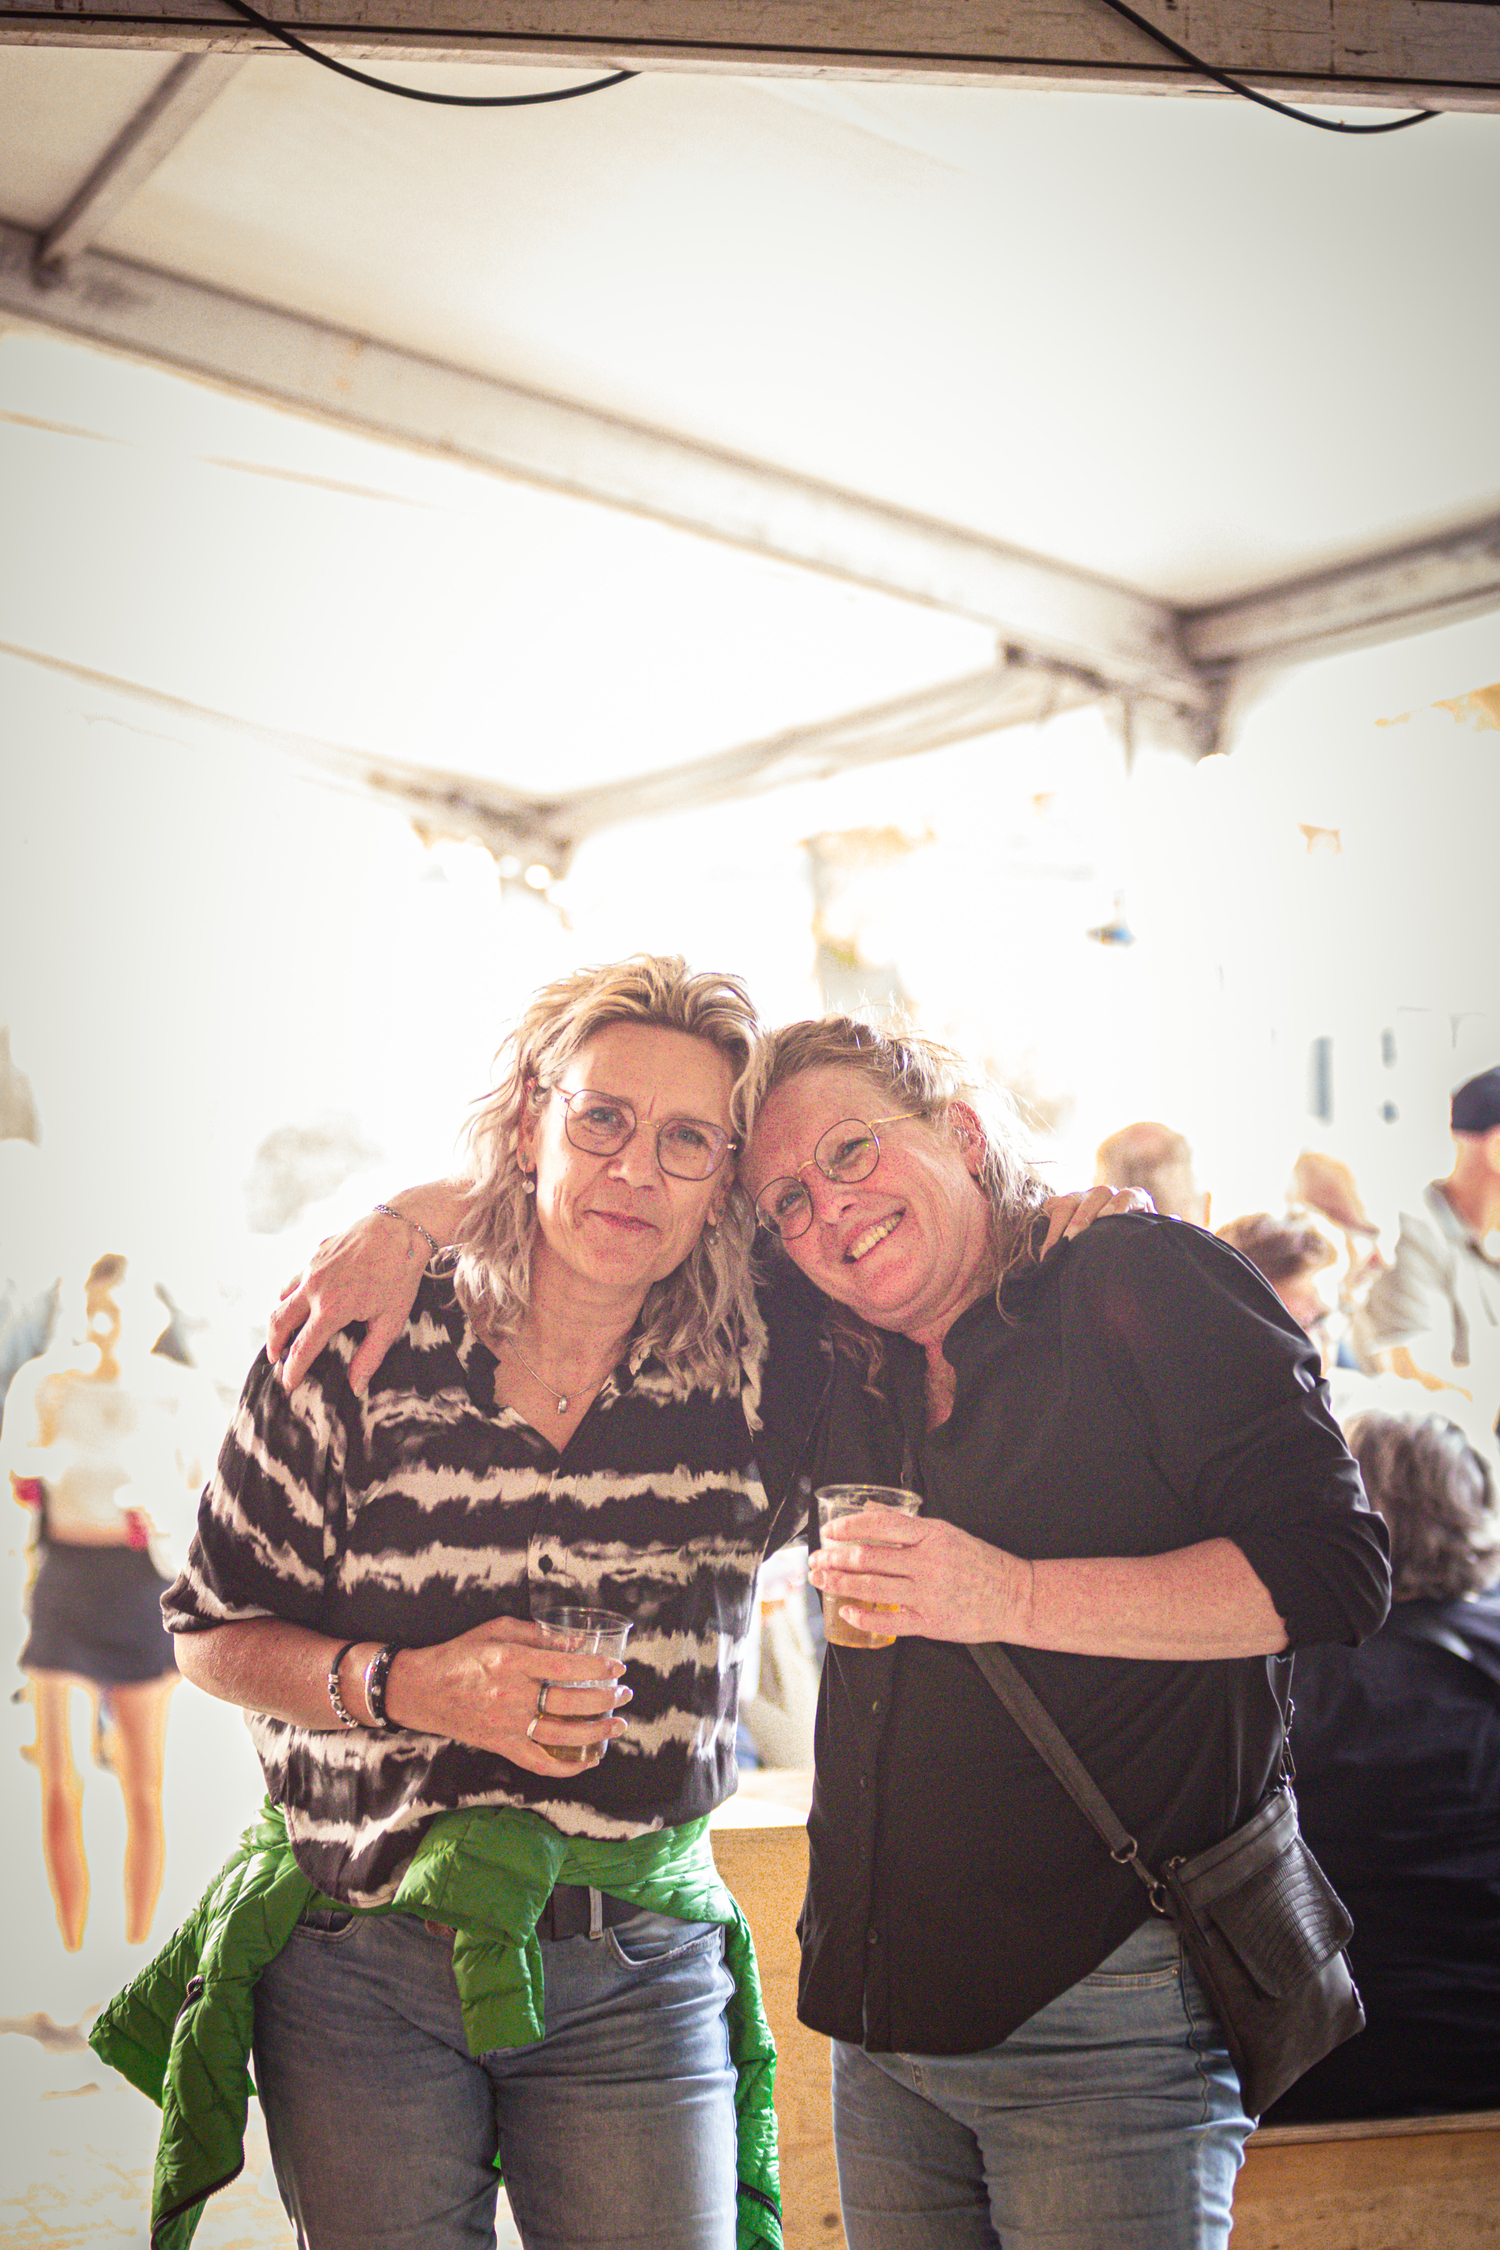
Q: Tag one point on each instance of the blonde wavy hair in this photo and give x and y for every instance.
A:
(702, 1320)
(916, 1076)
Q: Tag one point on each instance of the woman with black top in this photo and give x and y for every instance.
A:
(1128, 1474)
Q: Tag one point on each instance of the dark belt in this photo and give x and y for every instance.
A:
(566, 1913)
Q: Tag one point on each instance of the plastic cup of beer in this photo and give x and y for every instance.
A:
(583, 1632)
(835, 1501)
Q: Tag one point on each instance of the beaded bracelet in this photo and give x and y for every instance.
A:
(377, 1679)
(389, 1211)
(341, 1709)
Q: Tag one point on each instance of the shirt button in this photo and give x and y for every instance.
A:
(873, 1938)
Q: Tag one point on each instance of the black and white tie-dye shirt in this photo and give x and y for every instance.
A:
(424, 1509)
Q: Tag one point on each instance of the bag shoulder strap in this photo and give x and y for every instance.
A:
(1053, 1747)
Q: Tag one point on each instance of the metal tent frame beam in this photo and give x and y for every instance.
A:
(189, 88)
(1120, 639)
(1436, 53)
(1403, 589)
(1055, 613)
(549, 830)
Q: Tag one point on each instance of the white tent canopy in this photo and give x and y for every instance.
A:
(888, 379)
(731, 432)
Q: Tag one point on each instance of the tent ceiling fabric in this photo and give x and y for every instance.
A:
(1110, 376)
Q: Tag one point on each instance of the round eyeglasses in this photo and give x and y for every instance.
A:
(847, 1152)
(601, 1124)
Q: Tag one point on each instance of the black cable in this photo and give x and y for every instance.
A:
(1248, 93)
(418, 93)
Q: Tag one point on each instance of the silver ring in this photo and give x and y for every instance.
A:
(531, 1731)
(541, 1698)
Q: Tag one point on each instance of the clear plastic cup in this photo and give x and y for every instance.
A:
(835, 1501)
(583, 1632)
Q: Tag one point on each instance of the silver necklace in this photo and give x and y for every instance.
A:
(563, 1398)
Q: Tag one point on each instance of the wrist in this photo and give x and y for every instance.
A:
(403, 1691)
(1020, 1602)
(419, 1234)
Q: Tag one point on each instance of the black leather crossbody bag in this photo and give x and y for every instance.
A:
(1261, 1923)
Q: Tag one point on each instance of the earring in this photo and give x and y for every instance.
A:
(528, 1183)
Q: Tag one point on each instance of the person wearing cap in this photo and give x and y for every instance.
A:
(1436, 1309)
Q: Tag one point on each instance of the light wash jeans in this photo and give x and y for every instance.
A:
(1110, 2121)
(616, 2129)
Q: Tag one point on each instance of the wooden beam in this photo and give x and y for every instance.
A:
(1435, 53)
(1123, 638)
(1402, 590)
(170, 111)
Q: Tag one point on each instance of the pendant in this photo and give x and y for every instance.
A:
(562, 1406)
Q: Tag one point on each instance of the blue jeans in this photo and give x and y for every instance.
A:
(617, 2128)
(1111, 2118)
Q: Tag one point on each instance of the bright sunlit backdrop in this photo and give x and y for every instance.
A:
(206, 944)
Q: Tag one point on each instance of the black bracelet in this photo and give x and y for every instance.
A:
(377, 1678)
(341, 1709)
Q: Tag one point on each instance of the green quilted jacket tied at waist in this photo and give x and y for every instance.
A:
(181, 2030)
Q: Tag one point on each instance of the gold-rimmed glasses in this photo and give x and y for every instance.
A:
(847, 1152)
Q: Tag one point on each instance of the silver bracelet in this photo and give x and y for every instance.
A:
(388, 1211)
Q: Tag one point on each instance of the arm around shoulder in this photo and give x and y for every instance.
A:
(370, 1273)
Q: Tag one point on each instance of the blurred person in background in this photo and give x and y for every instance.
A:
(1301, 1259)
(1397, 1747)
(1434, 1314)
(107, 1442)
(1159, 1162)
(1301, 1262)
(1326, 1186)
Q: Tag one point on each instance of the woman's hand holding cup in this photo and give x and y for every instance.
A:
(838, 1505)
(512, 1686)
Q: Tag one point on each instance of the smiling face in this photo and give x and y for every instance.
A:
(908, 1247)
(619, 1223)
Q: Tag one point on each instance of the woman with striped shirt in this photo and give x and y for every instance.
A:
(567, 1418)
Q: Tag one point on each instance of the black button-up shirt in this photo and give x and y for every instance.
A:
(1140, 1392)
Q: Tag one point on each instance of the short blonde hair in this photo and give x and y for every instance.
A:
(702, 1320)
